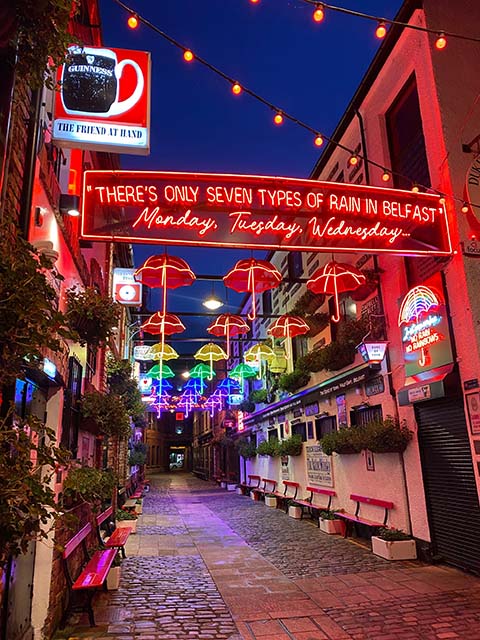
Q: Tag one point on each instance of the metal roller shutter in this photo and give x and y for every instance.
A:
(450, 489)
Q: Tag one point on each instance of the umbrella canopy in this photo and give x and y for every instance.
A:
(211, 353)
(228, 324)
(242, 371)
(201, 371)
(227, 386)
(258, 352)
(288, 327)
(163, 352)
(278, 364)
(334, 278)
(165, 271)
(160, 372)
(163, 324)
(253, 276)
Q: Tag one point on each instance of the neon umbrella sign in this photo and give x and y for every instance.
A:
(335, 278)
(254, 276)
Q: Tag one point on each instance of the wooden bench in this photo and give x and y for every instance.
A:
(356, 518)
(117, 537)
(93, 574)
(246, 487)
(269, 486)
(313, 508)
(283, 498)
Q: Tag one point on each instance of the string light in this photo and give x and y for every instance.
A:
(386, 175)
(278, 118)
(381, 30)
(353, 160)
(132, 21)
(442, 200)
(441, 41)
(318, 141)
(319, 13)
(188, 55)
(415, 188)
(465, 208)
(236, 88)
(254, 1)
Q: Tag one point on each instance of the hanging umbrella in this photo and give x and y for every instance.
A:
(288, 327)
(165, 271)
(160, 372)
(242, 372)
(257, 354)
(334, 278)
(227, 386)
(201, 371)
(163, 352)
(229, 325)
(278, 364)
(253, 276)
(163, 324)
(211, 353)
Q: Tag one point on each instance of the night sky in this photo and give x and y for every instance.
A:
(274, 47)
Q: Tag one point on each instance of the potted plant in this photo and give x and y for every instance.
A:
(394, 544)
(246, 448)
(269, 448)
(92, 315)
(108, 412)
(90, 484)
(126, 519)
(329, 522)
(387, 436)
(270, 500)
(113, 576)
(291, 446)
(294, 510)
(345, 441)
(293, 381)
(139, 506)
(258, 396)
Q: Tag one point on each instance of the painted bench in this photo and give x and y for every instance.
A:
(269, 486)
(117, 538)
(356, 518)
(92, 576)
(314, 508)
(253, 483)
(289, 493)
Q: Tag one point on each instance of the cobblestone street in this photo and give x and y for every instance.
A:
(209, 564)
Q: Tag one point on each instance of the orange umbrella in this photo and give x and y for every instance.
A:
(228, 324)
(334, 278)
(254, 276)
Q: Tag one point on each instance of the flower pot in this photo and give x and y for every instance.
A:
(113, 578)
(394, 549)
(254, 495)
(271, 501)
(139, 507)
(330, 526)
(231, 486)
(240, 491)
(127, 523)
(295, 512)
(223, 485)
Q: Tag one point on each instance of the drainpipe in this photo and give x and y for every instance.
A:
(387, 354)
(30, 162)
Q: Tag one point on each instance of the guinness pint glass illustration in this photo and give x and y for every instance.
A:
(90, 83)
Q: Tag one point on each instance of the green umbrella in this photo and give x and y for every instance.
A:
(160, 372)
(242, 371)
(201, 371)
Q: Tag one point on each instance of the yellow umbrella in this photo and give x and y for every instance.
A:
(258, 353)
(210, 352)
(163, 352)
(278, 364)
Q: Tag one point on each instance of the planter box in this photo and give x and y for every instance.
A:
(223, 485)
(255, 496)
(139, 508)
(271, 501)
(128, 523)
(231, 486)
(240, 491)
(295, 512)
(394, 550)
(331, 526)
(113, 578)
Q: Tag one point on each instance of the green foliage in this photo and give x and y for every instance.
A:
(269, 448)
(42, 34)
(392, 535)
(108, 411)
(307, 303)
(328, 515)
(387, 436)
(119, 376)
(348, 440)
(291, 382)
(291, 446)
(317, 322)
(28, 461)
(258, 396)
(121, 514)
(28, 319)
(246, 448)
(90, 484)
(247, 406)
(93, 316)
(136, 458)
(336, 355)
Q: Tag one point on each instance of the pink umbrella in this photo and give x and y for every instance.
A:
(228, 324)
(254, 276)
(334, 278)
(288, 327)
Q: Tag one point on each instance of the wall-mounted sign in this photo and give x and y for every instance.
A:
(423, 322)
(260, 212)
(142, 352)
(126, 290)
(319, 466)
(145, 384)
(311, 409)
(104, 100)
(471, 384)
(374, 386)
(473, 406)
(372, 352)
(341, 402)
(235, 398)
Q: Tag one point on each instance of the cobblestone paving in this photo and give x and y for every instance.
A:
(161, 531)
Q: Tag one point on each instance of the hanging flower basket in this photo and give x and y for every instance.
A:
(93, 316)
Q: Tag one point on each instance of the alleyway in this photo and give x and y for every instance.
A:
(209, 564)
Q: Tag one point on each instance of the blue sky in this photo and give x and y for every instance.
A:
(273, 47)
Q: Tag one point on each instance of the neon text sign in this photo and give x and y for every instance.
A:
(219, 210)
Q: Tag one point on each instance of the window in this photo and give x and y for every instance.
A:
(300, 430)
(360, 416)
(325, 425)
(273, 434)
(295, 264)
(267, 302)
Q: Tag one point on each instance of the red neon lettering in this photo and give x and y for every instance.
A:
(127, 194)
(155, 218)
(259, 227)
(232, 195)
(181, 194)
(333, 228)
(280, 197)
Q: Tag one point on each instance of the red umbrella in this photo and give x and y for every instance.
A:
(288, 327)
(168, 272)
(334, 278)
(228, 325)
(163, 324)
(254, 276)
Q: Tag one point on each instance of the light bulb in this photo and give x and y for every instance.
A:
(319, 13)
(381, 30)
(318, 141)
(236, 89)
(441, 41)
(353, 160)
(132, 21)
(442, 200)
(415, 188)
(278, 119)
(188, 55)
(465, 208)
(385, 176)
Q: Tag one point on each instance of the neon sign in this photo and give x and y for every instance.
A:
(218, 210)
(424, 324)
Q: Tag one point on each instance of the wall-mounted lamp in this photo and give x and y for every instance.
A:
(69, 205)
(372, 351)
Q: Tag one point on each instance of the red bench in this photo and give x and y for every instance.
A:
(356, 518)
(246, 487)
(93, 574)
(269, 486)
(283, 498)
(117, 537)
(313, 508)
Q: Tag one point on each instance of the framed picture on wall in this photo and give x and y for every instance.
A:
(473, 406)
(369, 460)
